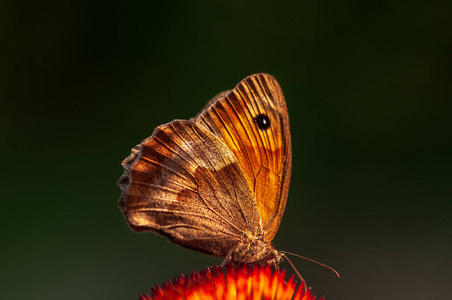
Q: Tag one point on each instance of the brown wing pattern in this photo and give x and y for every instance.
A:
(263, 154)
(183, 183)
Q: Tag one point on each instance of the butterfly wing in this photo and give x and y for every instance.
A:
(252, 120)
(183, 183)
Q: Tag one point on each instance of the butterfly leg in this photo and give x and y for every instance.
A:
(226, 258)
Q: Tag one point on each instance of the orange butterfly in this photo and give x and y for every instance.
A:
(217, 183)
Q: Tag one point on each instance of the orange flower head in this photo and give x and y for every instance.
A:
(241, 283)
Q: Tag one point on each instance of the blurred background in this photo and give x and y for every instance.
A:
(367, 85)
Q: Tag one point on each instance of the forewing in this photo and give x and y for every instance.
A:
(185, 184)
(264, 154)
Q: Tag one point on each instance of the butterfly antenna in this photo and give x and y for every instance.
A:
(308, 259)
(296, 271)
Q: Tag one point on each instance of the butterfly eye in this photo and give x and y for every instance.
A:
(262, 121)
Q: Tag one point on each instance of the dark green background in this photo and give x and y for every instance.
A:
(367, 85)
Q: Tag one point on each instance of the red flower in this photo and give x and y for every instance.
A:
(243, 283)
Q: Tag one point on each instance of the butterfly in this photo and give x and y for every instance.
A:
(217, 183)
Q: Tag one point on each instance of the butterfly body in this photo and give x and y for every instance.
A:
(254, 249)
(216, 183)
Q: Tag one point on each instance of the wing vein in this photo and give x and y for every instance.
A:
(184, 213)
